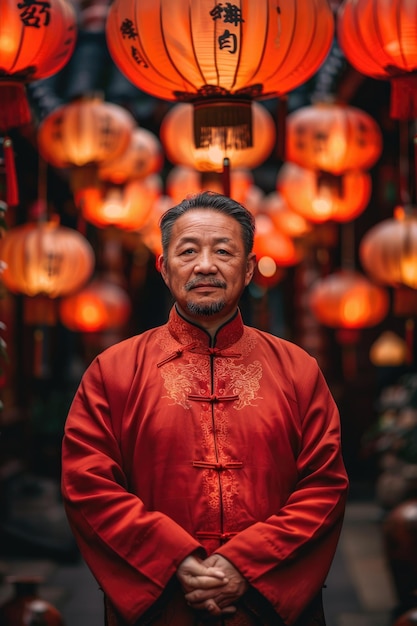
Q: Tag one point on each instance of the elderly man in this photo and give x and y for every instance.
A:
(202, 470)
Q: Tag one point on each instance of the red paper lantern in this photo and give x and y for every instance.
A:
(101, 305)
(45, 258)
(332, 137)
(177, 138)
(84, 132)
(284, 218)
(388, 251)
(36, 41)
(123, 206)
(346, 299)
(219, 54)
(270, 242)
(151, 233)
(142, 157)
(321, 196)
(379, 39)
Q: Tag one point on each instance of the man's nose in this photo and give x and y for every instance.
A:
(205, 262)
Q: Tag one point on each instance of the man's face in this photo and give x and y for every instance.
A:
(206, 268)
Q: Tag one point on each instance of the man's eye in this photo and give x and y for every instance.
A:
(188, 251)
(222, 251)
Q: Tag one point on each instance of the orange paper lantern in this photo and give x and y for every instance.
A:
(45, 259)
(177, 138)
(123, 206)
(142, 157)
(320, 196)
(332, 137)
(101, 305)
(379, 39)
(346, 299)
(151, 233)
(182, 48)
(219, 54)
(83, 132)
(36, 40)
(270, 242)
(183, 180)
(284, 218)
(388, 251)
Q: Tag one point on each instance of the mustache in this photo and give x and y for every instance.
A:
(203, 280)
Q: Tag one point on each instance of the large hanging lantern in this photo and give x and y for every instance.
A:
(142, 157)
(84, 132)
(321, 196)
(123, 206)
(177, 138)
(101, 305)
(346, 299)
(36, 40)
(46, 259)
(331, 137)
(388, 251)
(219, 54)
(183, 180)
(379, 39)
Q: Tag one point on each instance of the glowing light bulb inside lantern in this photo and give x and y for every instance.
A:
(337, 146)
(91, 316)
(7, 43)
(113, 206)
(215, 154)
(409, 270)
(353, 311)
(323, 204)
(267, 266)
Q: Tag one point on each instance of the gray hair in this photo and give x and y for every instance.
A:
(215, 202)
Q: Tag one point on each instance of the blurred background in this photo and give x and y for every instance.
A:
(93, 150)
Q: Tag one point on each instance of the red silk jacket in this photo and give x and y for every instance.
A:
(174, 443)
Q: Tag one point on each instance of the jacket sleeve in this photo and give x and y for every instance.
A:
(116, 535)
(287, 557)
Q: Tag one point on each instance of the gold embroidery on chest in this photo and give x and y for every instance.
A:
(180, 379)
(243, 380)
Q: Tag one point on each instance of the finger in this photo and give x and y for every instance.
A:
(206, 582)
(199, 596)
(212, 607)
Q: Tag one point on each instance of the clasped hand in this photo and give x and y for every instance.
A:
(213, 585)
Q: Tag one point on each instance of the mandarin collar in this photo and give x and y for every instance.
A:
(186, 332)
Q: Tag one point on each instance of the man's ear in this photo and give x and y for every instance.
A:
(160, 265)
(250, 267)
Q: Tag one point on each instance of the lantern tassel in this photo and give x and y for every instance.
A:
(15, 110)
(403, 105)
(12, 192)
(224, 124)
